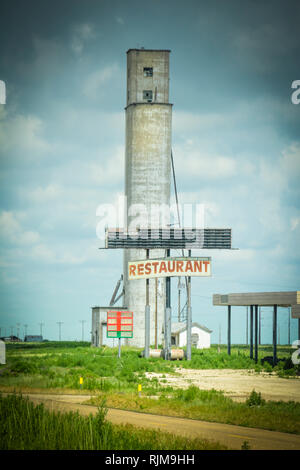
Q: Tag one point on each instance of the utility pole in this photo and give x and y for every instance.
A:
(41, 328)
(59, 325)
(11, 330)
(18, 329)
(25, 331)
(82, 323)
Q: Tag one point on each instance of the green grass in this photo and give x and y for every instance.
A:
(59, 365)
(213, 406)
(28, 427)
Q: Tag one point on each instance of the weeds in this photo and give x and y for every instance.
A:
(59, 366)
(213, 405)
(25, 426)
(255, 399)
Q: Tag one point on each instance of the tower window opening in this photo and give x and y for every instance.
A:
(147, 95)
(148, 71)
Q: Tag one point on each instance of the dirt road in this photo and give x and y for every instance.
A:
(238, 384)
(231, 436)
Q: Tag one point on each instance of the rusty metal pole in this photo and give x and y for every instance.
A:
(147, 316)
(156, 343)
(229, 331)
(167, 330)
(189, 320)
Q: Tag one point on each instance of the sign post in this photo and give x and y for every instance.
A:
(119, 325)
(169, 267)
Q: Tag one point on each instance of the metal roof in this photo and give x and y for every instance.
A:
(262, 299)
(188, 238)
(179, 327)
(142, 49)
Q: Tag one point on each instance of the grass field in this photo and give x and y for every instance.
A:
(28, 427)
(58, 366)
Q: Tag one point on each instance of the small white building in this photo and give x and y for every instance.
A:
(200, 335)
(2, 353)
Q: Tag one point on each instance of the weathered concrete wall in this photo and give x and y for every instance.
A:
(147, 172)
(137, 60)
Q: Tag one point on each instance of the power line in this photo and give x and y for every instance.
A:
(59, 325)
(82, 323)
(41, 328)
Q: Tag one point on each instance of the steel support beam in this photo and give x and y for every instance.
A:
(147, 316)
(147, 330)
(256, 334)
(274, 335)
(251, 331)
(168, 316)
(189, 320)
(229, 331)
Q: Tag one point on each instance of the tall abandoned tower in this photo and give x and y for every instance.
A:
(147, 173)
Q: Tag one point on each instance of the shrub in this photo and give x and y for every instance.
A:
(23, 366)
(255, 399)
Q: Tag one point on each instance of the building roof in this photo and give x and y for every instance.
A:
(281, 299)
(181, 326)
(143, 49)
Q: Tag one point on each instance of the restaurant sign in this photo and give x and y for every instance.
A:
(167, 267)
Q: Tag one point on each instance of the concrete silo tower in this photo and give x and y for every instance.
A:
(147, 172)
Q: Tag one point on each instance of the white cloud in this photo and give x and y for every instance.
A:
(12, 232)
(98, 79)
(290, 161)
(82, 33)
(185, 121)
(21, 137)
(295, 222)
(192, 162)
(43, 253)
(45, 194)
(112, 169)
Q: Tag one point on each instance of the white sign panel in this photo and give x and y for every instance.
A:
(167, 267)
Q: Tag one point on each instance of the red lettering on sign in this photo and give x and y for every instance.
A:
(206, 263)
(198, 266)
(188, 266)
(163, 267)
(132, 270)
(171, 269)
(147, 268)
(179, 266)
(140, 268)
(155, 264)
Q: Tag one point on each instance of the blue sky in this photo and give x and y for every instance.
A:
(236, 146)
